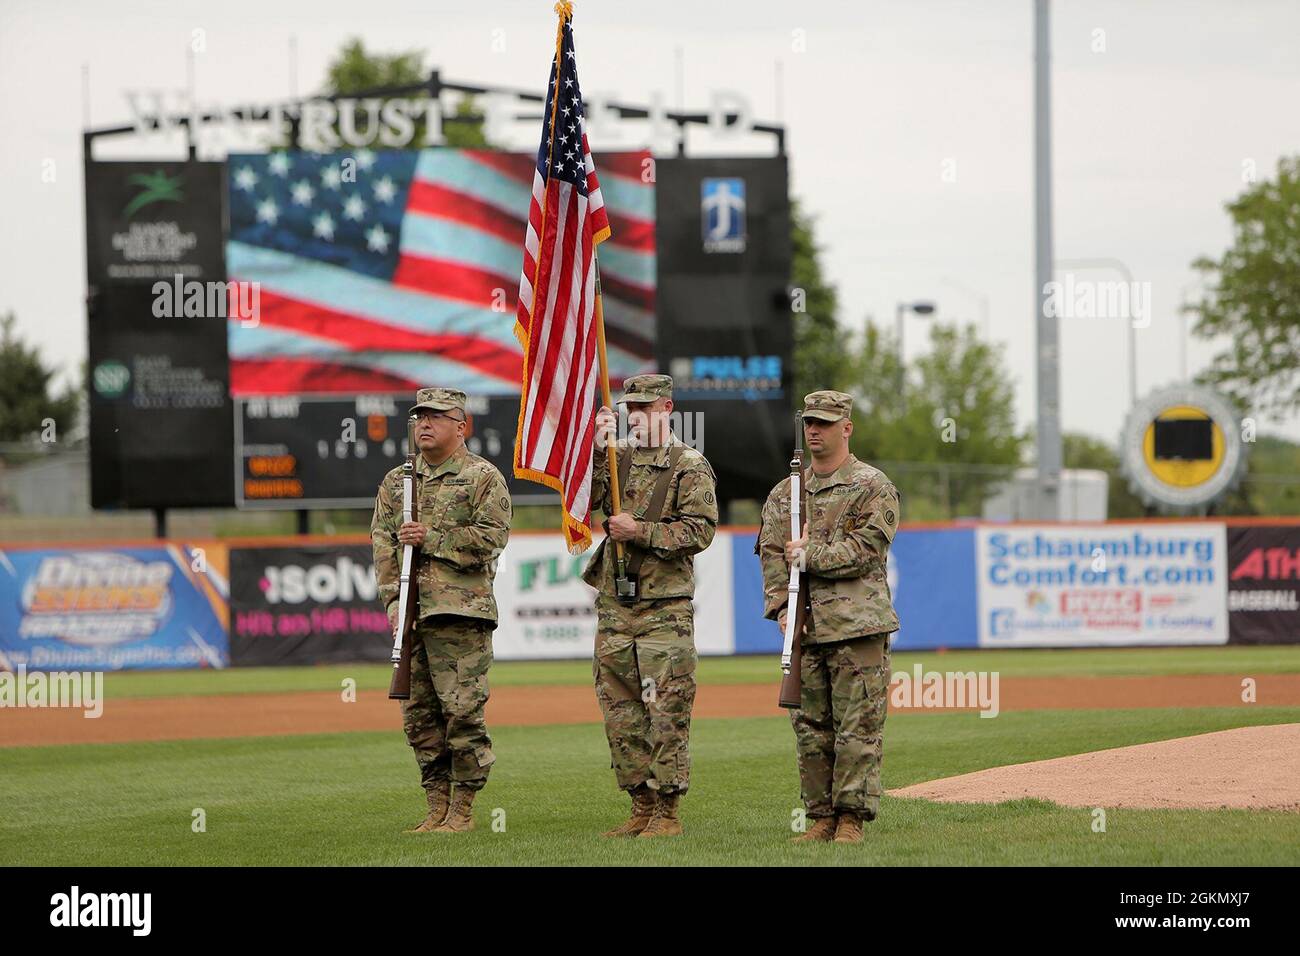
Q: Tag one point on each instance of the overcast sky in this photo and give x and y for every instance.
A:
(910, 126)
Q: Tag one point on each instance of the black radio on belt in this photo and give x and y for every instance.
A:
(627, 577)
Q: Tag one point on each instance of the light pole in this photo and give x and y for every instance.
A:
(920, 308)
(1046, 330)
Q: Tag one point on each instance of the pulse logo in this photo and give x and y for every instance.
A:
(722, 214)
(344, 580)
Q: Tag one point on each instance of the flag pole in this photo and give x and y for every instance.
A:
(611, 450)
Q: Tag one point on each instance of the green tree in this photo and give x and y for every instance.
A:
(821, 353)
(1271, 485)
(1084, 451)
(355, 70)
(27, 399)
(950, 433)
(1254, 296)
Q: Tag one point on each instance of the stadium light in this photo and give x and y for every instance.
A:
(919, 308)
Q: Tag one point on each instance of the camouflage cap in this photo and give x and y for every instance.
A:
(439, 399)
(827, 406)
(647, 388)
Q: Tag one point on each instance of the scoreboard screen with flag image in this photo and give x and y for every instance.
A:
(388, 271)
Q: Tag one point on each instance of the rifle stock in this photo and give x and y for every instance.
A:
(399, 687)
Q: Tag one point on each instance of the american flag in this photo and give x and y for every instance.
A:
(388, 271)
(556, 321)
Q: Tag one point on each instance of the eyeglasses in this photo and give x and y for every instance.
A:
(428, 415)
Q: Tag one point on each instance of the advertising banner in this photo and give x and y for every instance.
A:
(149, 221)
(930, 616)
(1263, 582)
(157, 304)
(312, 604)
(113, 608)
(546, 611)
(1102, 585)
(724, 305)
(319, 603)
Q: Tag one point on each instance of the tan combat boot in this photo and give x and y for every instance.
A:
(439, 797)
(848, 828)
(643, 808)
(664, 821)
(460, 817)
(821, 831)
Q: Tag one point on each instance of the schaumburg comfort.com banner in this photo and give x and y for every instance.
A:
(1044, 585)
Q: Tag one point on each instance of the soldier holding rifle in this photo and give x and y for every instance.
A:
(644, 666)
(463, 523)
(852, 515)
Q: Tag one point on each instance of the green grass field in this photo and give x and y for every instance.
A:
(1133, 662)
(342, 799)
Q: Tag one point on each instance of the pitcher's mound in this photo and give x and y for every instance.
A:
(1254, 768)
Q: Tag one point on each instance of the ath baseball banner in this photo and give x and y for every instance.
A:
(559, 312)
(1263, 582)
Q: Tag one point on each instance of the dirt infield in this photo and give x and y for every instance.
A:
(319, 712)
(1252, 768)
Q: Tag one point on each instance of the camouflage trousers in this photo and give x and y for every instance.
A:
(644, 671)
(443, 719)
(839, 723)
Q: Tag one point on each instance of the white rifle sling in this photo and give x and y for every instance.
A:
(404, 588)
(792, 589)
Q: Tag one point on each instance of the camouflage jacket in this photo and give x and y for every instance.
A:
(852, 516)
(685, 528)
(466, 507)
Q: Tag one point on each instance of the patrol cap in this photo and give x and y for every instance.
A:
(438, 399)
(647, 388)
(827, 406)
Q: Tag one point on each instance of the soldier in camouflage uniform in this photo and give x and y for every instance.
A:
(644, 666)
(463, 511)
(852, 515)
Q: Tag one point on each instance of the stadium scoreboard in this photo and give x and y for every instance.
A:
(296, 451)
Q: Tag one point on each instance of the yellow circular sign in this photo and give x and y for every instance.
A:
(1182, 473)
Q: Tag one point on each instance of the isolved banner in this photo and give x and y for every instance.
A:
(1100, 585)
(310, 604)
